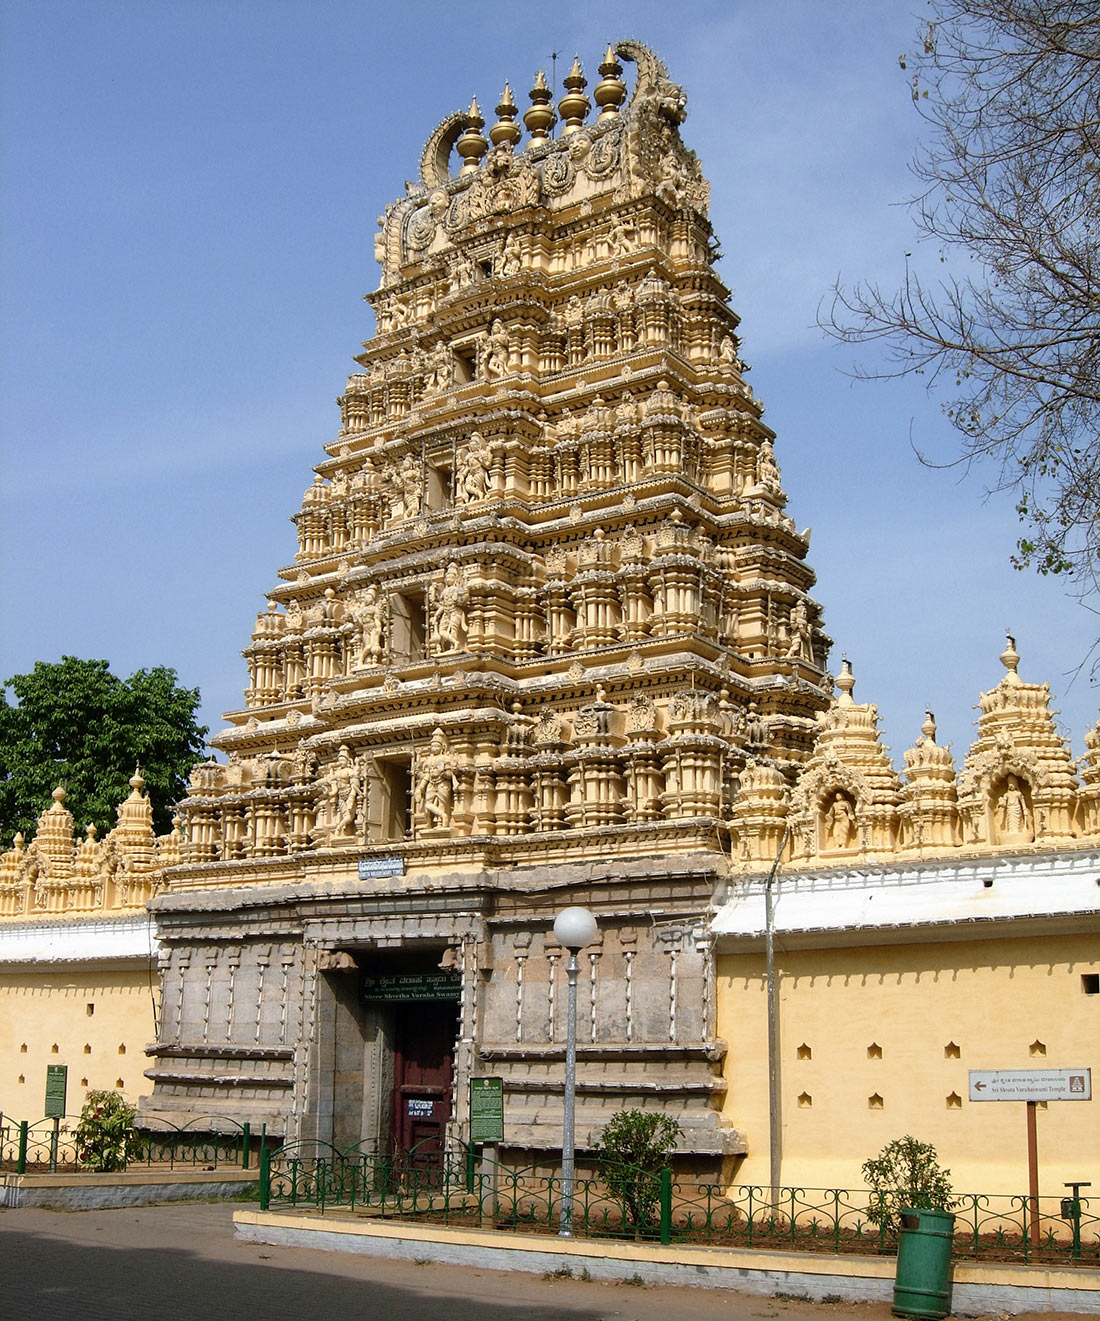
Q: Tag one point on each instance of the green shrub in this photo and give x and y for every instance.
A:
(630, 1154)
(905, 1173)
(105, 1137)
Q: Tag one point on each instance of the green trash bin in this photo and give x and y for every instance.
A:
(921, 1286)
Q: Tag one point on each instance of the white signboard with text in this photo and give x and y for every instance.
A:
(1031, 1084)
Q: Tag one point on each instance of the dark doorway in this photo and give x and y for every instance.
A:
(423, 1060)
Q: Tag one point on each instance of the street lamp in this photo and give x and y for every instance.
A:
(574, 928)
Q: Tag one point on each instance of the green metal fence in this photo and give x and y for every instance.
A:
(460, 1189)
(207, 1142)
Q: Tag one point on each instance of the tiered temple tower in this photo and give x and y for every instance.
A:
(547, 605)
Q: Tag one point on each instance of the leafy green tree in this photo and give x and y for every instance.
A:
(76, 724)
(905, 1173)
(630, 1154)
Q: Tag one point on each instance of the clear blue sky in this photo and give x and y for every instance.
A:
(190, 190)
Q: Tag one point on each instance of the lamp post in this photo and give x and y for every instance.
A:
(574, 928)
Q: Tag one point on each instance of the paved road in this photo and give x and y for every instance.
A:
(181, 1263)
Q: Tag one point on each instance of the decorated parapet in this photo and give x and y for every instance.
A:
(1018, 788)
(57, 874)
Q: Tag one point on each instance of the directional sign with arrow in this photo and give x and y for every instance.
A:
(1031, 1084)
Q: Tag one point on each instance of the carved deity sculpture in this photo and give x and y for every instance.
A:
(473, 469)
(342, 793)
(369, 615)
(496, 352)
(801, 644)
(440, 374)
(840, 823)
(436, 783)
(767, 470)
(1014, 818)
(448, 607)
(620, 237)
(407, 482)
(463, 271)
(511, 259)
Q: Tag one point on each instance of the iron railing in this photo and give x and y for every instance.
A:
(458, 1188)
(51, 1145)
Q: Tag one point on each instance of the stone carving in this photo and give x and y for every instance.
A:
(435, 171)
(801, 635)
(472, 472)
(447, 602)
(421, 229)
(767, 470)
(343, 790)
(407, 487)
(1013, 814)
(440, 369)
(620, 237)
(436, 783)
(511, 256)
(369, 615)
(840, 823)
(558, 174)
(495, 352)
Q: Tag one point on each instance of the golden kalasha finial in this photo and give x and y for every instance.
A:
(611, 92)
(928, 729)
(574, 105)
(506, 132)
(472, 145)
(540, 119)
(846, 682)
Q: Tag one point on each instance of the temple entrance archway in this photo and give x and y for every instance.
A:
(415, 1005)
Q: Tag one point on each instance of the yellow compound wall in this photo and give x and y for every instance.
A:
(98, 1022)
(876, 1042)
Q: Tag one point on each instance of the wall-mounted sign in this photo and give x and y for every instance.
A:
(57, 1080)
(1031, 1084)
(371, 869)
(487, 1110)
(398, 987)
(420, 1109)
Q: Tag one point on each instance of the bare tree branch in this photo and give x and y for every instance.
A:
(1009, 182)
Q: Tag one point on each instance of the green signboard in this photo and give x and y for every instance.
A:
(486, 1110)
(397, 987)
(57, 1077)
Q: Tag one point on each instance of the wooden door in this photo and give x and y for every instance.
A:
(424, 1041)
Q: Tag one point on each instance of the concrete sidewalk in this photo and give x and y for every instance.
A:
(182, 1262)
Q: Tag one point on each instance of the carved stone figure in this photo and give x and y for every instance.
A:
(473, 469)
(448, 603)
(840, 823)
(369, 615)
(411, 486)
(1014, 817)
(342, 793)
(767, 470)
(495, 353)
(436, 783)
(801, 643)
(620, 237)
(463, 272)
(511, 258)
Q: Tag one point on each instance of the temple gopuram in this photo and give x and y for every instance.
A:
(548, 639)
(547, 603)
